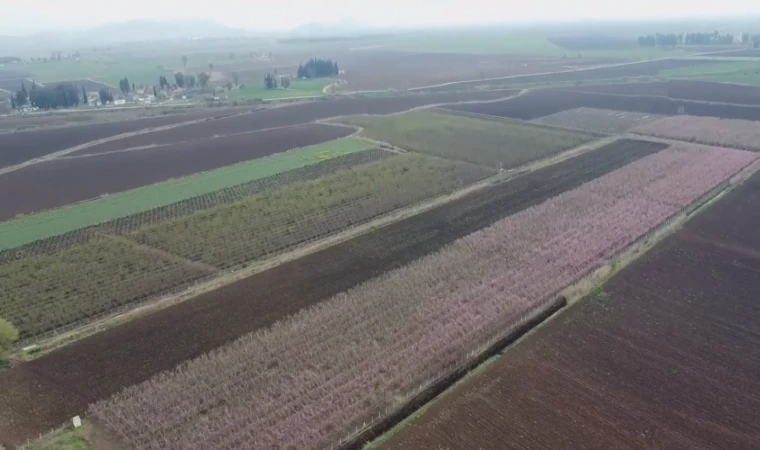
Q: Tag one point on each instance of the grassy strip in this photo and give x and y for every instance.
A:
(68, 218)
(485, 142)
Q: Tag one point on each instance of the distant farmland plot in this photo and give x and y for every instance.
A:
(735, 133)
(69, 218)
(597, 120)
(385, 337)
(486, 142)
(543, 102)
(298, 88)
(274, 221)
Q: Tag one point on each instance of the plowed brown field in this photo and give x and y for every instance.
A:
(133, 352)
(62, 181)
(18, 147)
(683, 89)
(550, 101)
(665, 356)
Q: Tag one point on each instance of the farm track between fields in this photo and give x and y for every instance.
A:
(663, 355)
(217, 317)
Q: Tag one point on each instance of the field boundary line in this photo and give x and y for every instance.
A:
(449, 377)
(55, 339)
(207, 268)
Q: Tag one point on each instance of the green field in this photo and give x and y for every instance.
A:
(137, 70)
(298, 88)
(28, 229)
(744, 72)
(486, 142)
(519, 43)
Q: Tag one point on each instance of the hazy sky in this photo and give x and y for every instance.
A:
(19, 17)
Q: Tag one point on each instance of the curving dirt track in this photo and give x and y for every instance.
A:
(682, 89)
(139, 349)
(541, 103)
(63, 181)
(667, 356)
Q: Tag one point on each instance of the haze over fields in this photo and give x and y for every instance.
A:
(52, 15)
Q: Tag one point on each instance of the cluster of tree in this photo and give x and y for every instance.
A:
(270, 82)
(318, 68)
(105, 96)
(64, 95)
(672, 39)
(275, 81)
(708, 38)
(184, 81)
(124, 85)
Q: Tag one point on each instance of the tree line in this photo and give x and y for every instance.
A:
(672, 39)
(318, 68)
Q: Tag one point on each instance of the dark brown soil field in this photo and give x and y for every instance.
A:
(139, 349)
(682, 89)
(18, 147)
(63, 181)
(13, 84)
(292, 115)
(666, 356)
(89, 85)
(541, 103)
(380, 70)
(646, 68)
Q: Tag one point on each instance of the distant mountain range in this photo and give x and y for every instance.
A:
(132, 31)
